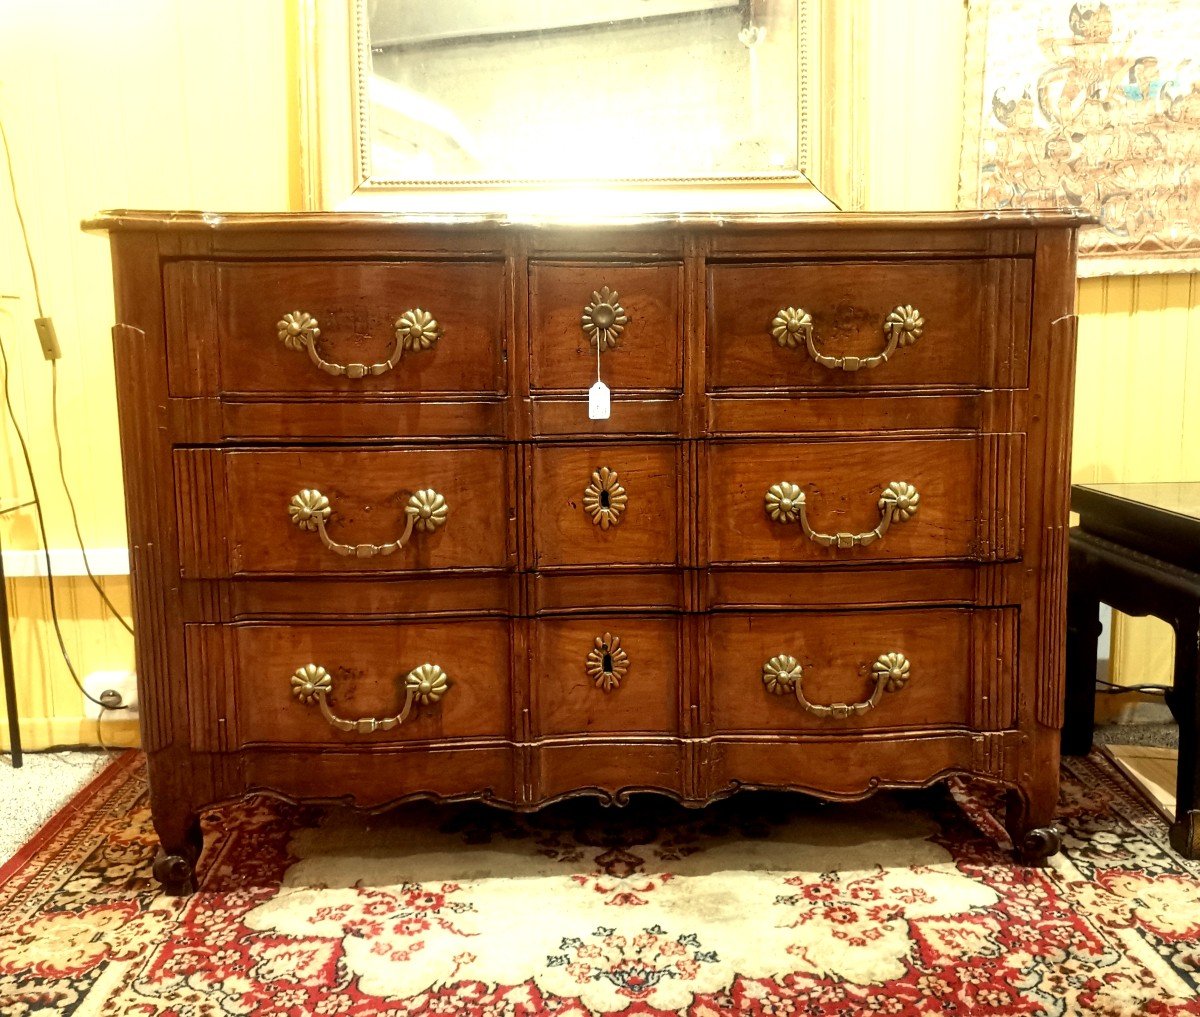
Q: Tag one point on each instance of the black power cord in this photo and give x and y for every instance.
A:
(62, 472)
(1113, 689)
(37, 504)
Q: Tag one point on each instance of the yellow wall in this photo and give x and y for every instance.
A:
(143, 103)
(173, 103)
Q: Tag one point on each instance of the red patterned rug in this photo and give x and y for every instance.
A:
(763, 904)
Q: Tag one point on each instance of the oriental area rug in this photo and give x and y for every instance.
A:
(761, 904)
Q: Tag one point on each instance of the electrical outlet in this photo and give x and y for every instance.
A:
(115, 687)
(48, 338)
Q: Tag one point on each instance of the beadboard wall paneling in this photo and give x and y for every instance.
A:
(142, 103)
(1137, 415)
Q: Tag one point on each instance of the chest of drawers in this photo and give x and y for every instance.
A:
(381, 552)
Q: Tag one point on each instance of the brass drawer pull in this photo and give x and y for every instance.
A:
(783, 674)
(606, 663)
(425, 685)
(310, 510)
(604, 319)
(785, 503)
(415, 330)
(902, 327)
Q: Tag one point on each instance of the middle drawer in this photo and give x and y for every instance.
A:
(305, 511)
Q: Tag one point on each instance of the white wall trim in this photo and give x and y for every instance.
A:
(67, 561)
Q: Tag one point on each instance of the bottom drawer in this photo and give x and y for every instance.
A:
(856, 670)
(374, 780)
(348, 684)
(856, 766)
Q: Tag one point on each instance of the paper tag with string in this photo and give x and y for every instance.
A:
(599, 401)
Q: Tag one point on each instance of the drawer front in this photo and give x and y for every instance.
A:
(829, 325)
(605, 504)
(348, 328)
(818, 671)
(606, 675)
(833, 502)
(307, 511)
(446, 680)
(632, 311)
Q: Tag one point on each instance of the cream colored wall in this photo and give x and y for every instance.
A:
(172, 103)
(143, 103)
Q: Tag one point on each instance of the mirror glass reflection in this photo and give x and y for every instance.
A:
(561, 90)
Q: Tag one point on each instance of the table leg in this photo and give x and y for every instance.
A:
(1083, 638)
(1185, 833)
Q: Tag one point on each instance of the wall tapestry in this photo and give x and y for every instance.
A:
(1090, 105)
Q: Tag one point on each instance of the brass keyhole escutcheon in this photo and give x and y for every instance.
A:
(606, 663)
(604, 499)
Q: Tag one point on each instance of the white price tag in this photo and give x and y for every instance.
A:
(598, 402)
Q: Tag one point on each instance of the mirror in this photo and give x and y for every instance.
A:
(583, 90)
(529, 105)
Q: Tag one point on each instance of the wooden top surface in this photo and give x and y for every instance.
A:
(133, 219)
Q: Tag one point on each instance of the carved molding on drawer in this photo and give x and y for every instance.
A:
(1001, 496)
(190, 306)
(994, 667)
(211, 667)
(1052, 627)
(1007, 284)
(996, 753)
(200, 499)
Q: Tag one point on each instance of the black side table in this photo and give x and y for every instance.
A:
(1137, 548)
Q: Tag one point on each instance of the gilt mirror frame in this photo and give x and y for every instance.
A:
(332, 61)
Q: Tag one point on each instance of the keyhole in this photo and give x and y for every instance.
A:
(608, 663)
(604, 499)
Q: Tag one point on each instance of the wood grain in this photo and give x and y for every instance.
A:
(227, 313)
(966, 305)
(646, 532)
(842, 482)
(836, 651)
(367, 492)
(368, 664)
(647, 354)
(566, 700)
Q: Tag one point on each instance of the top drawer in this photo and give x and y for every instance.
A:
(633, 313)
(335, 327)
(869, 324)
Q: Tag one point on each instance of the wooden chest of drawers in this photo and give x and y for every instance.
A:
(381, 552)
